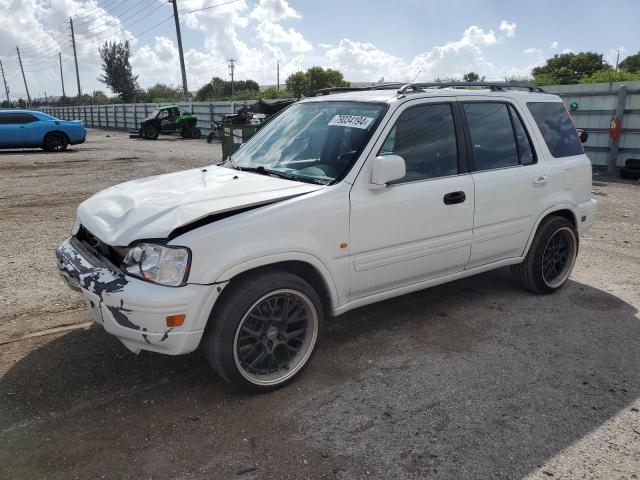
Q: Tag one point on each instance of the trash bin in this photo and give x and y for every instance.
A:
(234, 135)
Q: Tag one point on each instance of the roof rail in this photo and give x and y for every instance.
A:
(379, 86)
(493, 86)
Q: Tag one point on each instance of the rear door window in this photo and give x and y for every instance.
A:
(556, 127)
(492, 138)
(525, 149)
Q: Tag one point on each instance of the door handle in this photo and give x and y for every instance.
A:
(454, 197)
(540, 181)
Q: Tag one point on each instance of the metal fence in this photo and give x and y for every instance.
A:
(597, 104)
(128, 116)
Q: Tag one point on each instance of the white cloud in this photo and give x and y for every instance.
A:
(363, 60)
(274, 10)
(41, 31)
(553, 45)
(275, 33)
(509, 29)
(255, 34)
(567, 50)
(457, 57)
(531, 51)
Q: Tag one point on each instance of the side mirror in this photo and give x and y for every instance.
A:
(385, 169)
(583, 134)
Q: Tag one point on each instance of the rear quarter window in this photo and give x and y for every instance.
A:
(556, 127)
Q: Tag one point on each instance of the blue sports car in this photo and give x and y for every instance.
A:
(26, 128)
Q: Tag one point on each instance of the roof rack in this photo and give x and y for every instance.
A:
(379, 86)
(493, 86)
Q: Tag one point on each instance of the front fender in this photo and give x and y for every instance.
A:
(274, 259)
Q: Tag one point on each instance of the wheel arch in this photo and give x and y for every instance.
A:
(306, 266)
(563, 210)
(55, 130)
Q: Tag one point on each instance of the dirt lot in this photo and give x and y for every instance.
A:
(476, 379)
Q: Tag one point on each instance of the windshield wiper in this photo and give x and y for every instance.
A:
(276, 173)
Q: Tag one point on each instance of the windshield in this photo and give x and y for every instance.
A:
(154, 113)
(314, 141)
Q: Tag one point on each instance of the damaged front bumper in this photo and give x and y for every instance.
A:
(133, 310)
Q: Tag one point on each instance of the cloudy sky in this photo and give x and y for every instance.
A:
(396, 40)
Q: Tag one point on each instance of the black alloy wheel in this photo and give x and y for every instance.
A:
(263, 331)
(272, 339)
(558, 257)
(56, 142)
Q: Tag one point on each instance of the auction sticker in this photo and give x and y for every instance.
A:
(350, 121)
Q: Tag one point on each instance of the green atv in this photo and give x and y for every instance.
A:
(167, 120)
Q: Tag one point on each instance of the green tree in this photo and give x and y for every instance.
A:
(471, 77)
(219, 89)
(631, 63)
(517, 79)
(298, 83)
(315, 78)
(273, 93)
(611, 75)
(161, 92)
(568, 68)
(117, 72)
(250, 85)
(446, 80)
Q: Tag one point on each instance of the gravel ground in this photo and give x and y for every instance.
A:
(475, 379)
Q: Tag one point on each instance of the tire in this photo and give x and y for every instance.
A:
(150, 133)
(249, 326)
(55, 142)
(195, 133)
(632, 162)
(630, 173)
(551, 257)
(210, 137)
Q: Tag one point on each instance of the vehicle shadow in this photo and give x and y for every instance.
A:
(474, 379)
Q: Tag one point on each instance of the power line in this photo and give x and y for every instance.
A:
(206, 8)
(101, 37)
(123, 18)
(92, 52)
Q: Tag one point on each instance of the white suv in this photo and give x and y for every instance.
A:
(339, 201)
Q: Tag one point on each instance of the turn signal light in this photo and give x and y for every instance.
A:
(175, 320)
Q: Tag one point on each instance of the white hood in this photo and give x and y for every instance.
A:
(155, 206)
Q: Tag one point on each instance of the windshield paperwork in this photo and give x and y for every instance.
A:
(314, 142)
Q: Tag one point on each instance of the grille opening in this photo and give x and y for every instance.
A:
(97, 247)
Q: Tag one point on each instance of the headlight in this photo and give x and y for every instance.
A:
(161, 264)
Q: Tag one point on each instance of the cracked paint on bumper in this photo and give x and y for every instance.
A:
(133, 310)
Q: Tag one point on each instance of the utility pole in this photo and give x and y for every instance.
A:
(23, 77)
(61, 76)
(278, 75)
(75, 56)
(231, 68)
(6, 89)
(617, 60)
(185, 89)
